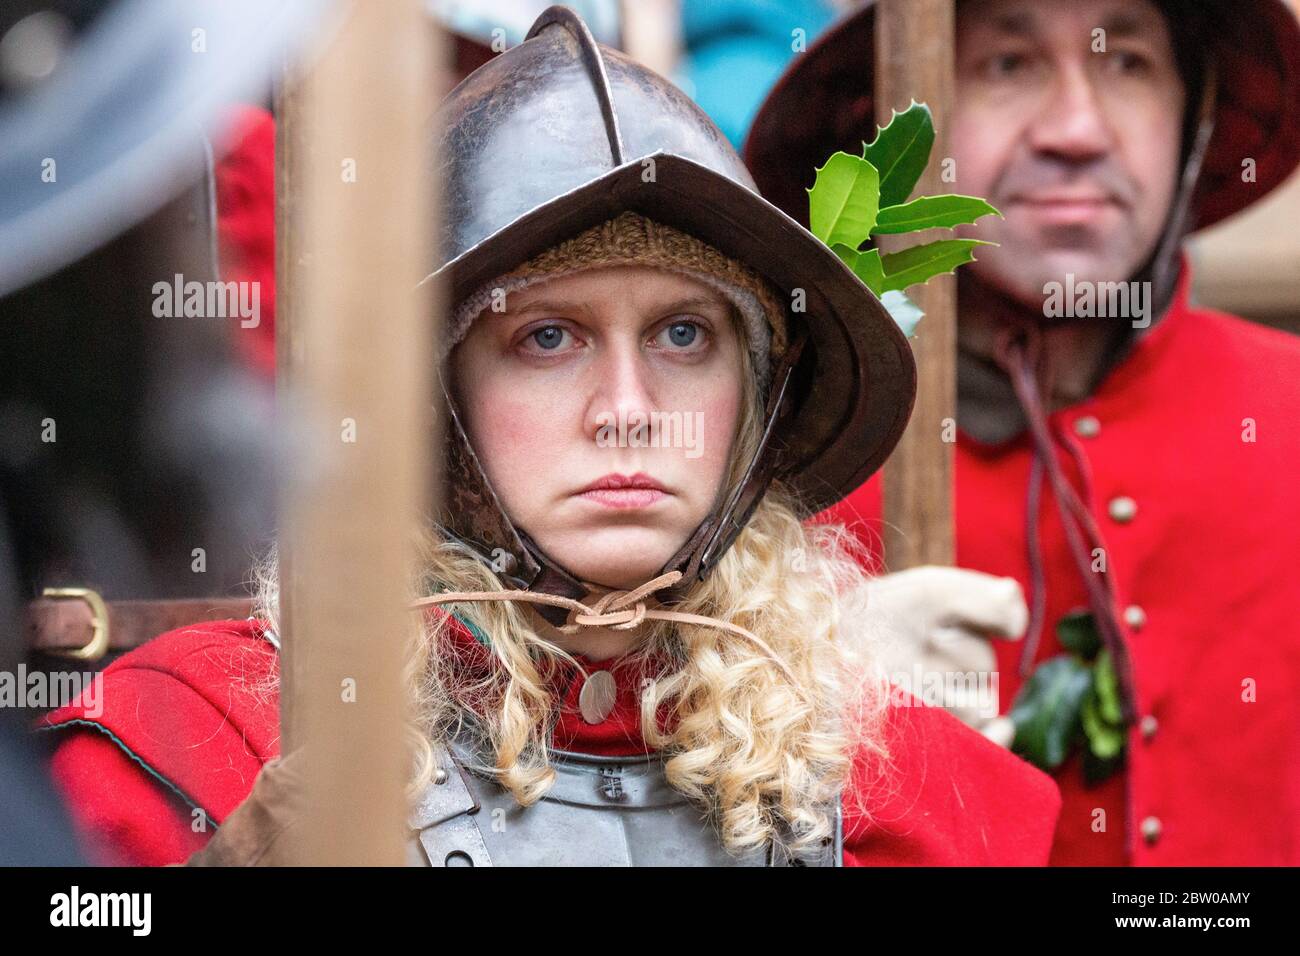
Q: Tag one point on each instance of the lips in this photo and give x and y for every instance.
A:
(624, 491)
(1063, 207)
(617, 482)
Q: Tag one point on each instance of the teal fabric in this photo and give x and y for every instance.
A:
(474, 629)
(134, 756)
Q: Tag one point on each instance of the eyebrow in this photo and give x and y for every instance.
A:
(1018, 23)
(1124, 24)
(551, 305)
(697, 301)
(1022, 23)
(580, 306)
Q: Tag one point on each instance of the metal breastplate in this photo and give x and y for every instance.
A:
(601, 811)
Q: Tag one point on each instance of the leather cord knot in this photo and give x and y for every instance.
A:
(620, 610)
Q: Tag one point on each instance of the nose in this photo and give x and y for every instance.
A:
(1072, 123)
(622, 388)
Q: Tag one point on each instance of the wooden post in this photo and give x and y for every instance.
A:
(354, 346)
(652, 33)
(914, 60)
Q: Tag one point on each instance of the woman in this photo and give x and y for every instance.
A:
(631, 647)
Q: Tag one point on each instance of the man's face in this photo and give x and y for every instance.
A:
(1069, 120)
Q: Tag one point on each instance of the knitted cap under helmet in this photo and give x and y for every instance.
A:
(632, 239)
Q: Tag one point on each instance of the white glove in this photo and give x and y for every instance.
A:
(929, 630)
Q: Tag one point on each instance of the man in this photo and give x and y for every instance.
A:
(1119, 449)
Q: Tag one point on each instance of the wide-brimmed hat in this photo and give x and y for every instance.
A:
(825, 102)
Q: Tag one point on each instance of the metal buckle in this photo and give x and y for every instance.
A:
(97, 647)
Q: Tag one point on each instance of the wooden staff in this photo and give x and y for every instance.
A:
(914, 60)
(652, 33)
(354, 349)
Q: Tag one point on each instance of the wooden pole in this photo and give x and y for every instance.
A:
(652, 33)
(354, 344)
(914, 60)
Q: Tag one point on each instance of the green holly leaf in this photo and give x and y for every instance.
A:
(1107, 684)
(920, 264)
(844, 209)
(865, 265)
(1104, 740)
(932, 212)
(844, 200)
(901, 151)
(1046, 711)
(903, 310)
(1077, 632)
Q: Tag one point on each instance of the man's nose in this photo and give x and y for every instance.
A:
(623, 386)
(1072, 121)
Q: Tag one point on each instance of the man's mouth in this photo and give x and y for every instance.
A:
(1066, 208)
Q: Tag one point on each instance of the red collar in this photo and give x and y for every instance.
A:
(1124, 385)
(619, 734)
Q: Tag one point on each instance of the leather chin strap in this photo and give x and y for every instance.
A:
(474, 516)
(619, 610)
(1165, 264)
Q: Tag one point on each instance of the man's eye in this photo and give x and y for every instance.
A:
(1007, 64)
(1129, 63)
(681, 335)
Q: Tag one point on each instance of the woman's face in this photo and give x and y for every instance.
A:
(623, 375)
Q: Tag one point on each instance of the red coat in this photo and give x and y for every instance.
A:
(187, 722)
(1208, 560)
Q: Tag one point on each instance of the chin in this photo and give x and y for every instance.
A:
(1022, 273)
(619, 558)
(617, 575)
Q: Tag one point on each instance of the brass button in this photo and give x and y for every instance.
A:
(596, 699)
(1151, 829)
(1135, 617)
(1087, 426)
(1122, 509)
(1149, 725)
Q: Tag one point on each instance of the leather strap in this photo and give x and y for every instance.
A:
(67, 623)
(620, 610)
(1020, 353)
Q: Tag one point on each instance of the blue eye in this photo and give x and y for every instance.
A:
(682, 334)
(549, 337)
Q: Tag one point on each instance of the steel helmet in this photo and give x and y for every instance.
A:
(559, 134)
